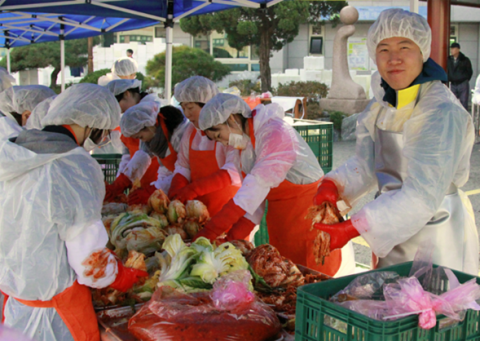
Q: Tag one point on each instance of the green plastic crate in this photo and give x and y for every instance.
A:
(318, 319)
(319, 136)
(109, 164)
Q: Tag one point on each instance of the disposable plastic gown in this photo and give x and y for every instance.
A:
(438, 137)
(280, 154)
(476, 92)
(40, 111)
(35, 229)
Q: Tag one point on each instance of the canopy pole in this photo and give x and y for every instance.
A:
(8, 60)
(7, 43)
(168, 52)
(414, 6)
(438, 14)
(62, 55)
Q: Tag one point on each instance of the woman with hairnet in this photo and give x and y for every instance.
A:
(205, 170)
(53, 239)
(278, 166)
(160, 132)
(414, 141)
(136, 163)
(123, 68)
(18, 102)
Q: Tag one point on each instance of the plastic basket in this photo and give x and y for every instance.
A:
(261, 237)
(319, 136)
(109, 164)
(318, 319)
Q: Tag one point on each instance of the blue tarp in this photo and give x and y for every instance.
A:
(20, 29)
(122, 9)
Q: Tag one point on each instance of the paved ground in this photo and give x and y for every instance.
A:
(344, 150)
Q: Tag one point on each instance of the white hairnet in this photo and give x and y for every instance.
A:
(396, 22)
(21, 98)
(142, 115)
(6, 79)
(125, 67)
(35, 119)
(195, 89)
(219, 108)
(85, 104)
(119, 86)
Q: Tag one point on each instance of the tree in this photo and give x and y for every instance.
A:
(45, 54)
(186, 62)
(268, 28)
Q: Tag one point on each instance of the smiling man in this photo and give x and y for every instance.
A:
(414, 142)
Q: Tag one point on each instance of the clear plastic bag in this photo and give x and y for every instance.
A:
(173, 315)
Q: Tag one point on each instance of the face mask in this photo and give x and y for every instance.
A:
(237, 141)
(89, 145)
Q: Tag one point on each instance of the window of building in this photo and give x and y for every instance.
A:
(216, 44)
(202, 42)
(316, 45)
(316, 39)
(160, 32)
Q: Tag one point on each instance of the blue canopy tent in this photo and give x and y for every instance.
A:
(166, 11)
(22, 28)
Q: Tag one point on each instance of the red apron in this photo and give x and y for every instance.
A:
(133, 145)
(168, 161)
(288, 229)
(74, 305)
(204, 163)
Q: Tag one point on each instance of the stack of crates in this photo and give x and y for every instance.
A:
(319, 136)
(318, 319)
(110, 164)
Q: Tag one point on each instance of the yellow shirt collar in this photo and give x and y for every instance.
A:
(407, 96)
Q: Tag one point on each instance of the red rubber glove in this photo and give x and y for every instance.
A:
(140, 196)
(121, 183)
(340, 234)
(327, 191)
(213, 182)
(241, 229)
(126, 278)
(222, 221)
(178, 182)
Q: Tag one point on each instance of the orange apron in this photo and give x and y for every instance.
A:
(132, 144)
(288, 229)
(168, 161)
(74, 305)
(204, 163)
(5, 299)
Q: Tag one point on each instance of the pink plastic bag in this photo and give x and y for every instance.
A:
(407, 297)
(231, 291)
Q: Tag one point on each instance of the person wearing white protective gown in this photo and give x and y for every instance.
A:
(40, 111)
(135, 163)
(123, 68)
(476, 92)
(205, 170)
(278, 166)
(53, 239)
(160, 131)
(414, 142)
